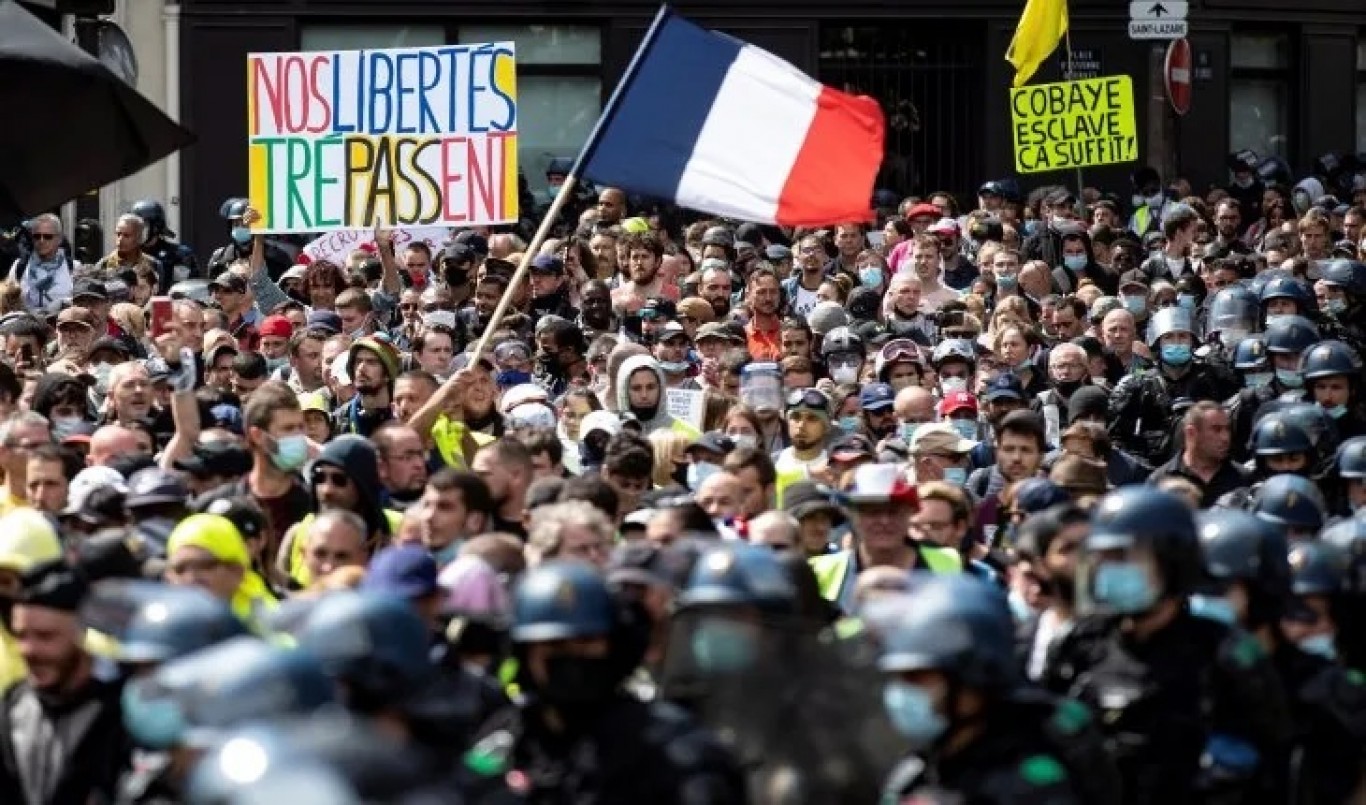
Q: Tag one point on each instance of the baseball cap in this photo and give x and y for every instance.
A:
(939, 437)
(714, 329)
(88, 288)
(1036, 494)
(944, 226)
(805, 498)
(547, 264)
(87, 481)
(713, 441)
(325, 320)
(404, 571)
(778, 253)
(876, 397)
(76, 315)
(957, 401)
(229, 281)
(277, 326)
(228, 417)
(294, 272)
(605, 421)
(652, 565)
(313, 401)
(923, 210)
(1005, 385)
(217, 350)
(852, 446)
(476, 242)
(700, 310)
(671, 330)
(880, 484)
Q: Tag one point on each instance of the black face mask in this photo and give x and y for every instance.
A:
(1069, 387)
(680, 474)
(577, 686)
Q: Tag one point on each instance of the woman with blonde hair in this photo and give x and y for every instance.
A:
(670, 458)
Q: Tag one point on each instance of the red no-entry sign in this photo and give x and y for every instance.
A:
(1177, 75)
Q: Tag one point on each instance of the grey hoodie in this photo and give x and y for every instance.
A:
(661, 419)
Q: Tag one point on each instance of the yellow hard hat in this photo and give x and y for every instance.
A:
(27, 538)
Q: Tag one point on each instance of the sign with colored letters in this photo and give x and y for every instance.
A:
(403, 137)
(1073, 124)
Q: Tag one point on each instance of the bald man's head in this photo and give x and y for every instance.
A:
(721, 495)
(914, 404)
(774, 529)
(110, 442)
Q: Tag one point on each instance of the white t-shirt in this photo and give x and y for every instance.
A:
(805, 301)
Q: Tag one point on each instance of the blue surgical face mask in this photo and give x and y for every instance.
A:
(1007, 282)
(1186, 301)
(848, 424)
(1215, 608)
(1337, 411)
(912, 713)
(700, 471)
(1135, 304)
(955, 475)
(1289, 378)
(241, 235)
(156, 724)
(290, 452)
(673, 367)
(1031, 228)
(1255, 380)
(1335, 306)
(906, 430)
(1075, 262)
(1176, 354)
(871, 277)
(1272, 318)
(965, 428)
(511, 377)
(1124, 587)
(275, 363)
(745, 440)
(444, 556)
(722, 646)
(1320, 645)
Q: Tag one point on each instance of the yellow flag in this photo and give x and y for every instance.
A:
(1042, 24)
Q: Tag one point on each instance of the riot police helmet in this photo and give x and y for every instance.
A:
(1143, 519)
(1238, 546)
(1169, 320)
(1349, 536)
(1250, 355)
(1233, 312)
(1328, 358)
(739, 575)
(175, 622)
(954, 349)
(1349, 275)
(1292, 501)
(375, 644)
(958, 625)
(561, 600)
(153, 215)
(1276, 435)
(1317, 568)
(1288, 288)
(234, 208)
(1351, 458)
(1291, 335)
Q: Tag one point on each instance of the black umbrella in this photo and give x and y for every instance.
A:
(70, 124)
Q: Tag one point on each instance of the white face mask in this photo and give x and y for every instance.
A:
(844, 373)
(951, 384)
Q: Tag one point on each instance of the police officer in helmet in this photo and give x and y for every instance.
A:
(278, 260)
(954, 693)
(177, 260)
(1332, 375)
(1287, 338)
(1191, 707)
(571, 664)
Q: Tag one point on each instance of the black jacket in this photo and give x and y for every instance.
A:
(91, 767)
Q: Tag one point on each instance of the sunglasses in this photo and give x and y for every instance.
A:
(43, 236)
(432, 308)
(330, 478)
(189, 566)
(410, 306)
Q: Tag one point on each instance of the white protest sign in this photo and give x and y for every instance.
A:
(687, 405)
(335, 246)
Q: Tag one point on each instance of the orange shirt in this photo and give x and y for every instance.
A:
(764, 345)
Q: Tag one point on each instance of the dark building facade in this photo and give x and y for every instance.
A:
(1283, 77)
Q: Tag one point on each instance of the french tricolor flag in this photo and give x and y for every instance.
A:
(720, 126)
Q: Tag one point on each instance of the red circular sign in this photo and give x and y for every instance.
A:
(1177, 75)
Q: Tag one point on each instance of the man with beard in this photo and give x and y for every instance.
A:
(671, 350)
(1067, 372)
(644, 253)
(457, 267)
(559, 355)
(714, 286)
(762, 333)
(373, 366)
(640, 391)
(402, 464)
(596, 317)
(506, 466)
(1050, 538)
(800, 288)
(549, 290)
(1228, 223)
(61, 730)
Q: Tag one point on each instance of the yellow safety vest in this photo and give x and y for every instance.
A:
(298, 570)
(835, 571)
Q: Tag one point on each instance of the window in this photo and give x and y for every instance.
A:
(370, 37)
(559, 90)
(1361, 96)
(1259, 92)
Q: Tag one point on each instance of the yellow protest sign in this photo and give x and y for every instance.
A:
(1074, 124)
